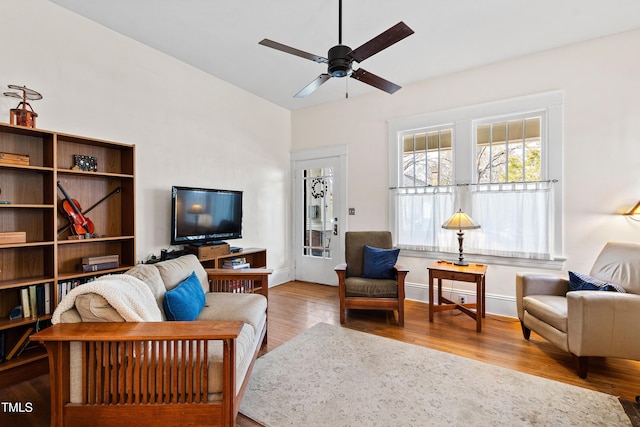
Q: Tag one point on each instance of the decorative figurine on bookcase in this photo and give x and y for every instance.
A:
(85, 163)
(23, 114)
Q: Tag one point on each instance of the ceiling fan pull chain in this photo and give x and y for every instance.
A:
(346, 94)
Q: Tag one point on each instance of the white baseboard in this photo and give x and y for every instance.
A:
(278, 277)
(501, 305)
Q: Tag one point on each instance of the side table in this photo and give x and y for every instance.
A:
(470, 273)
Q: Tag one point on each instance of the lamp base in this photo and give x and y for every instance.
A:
(461, 262)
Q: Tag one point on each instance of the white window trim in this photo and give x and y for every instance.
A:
(464, 118)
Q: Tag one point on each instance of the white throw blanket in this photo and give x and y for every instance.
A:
(128, 295)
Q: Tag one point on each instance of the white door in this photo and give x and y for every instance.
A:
(319, 219)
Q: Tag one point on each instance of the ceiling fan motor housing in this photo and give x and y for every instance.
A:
(340, 61)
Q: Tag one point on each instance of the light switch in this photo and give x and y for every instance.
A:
(352, 211)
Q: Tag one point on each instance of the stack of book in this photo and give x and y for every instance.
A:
(36, 300)
(236, 263)
(99, 263)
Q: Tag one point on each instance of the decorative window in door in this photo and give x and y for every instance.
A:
(318, 208)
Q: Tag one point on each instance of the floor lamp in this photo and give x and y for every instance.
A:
(460, 221)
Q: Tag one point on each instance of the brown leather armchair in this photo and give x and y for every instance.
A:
(357, 292)
(586, 323)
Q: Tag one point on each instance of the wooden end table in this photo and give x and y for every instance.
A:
(470, 273)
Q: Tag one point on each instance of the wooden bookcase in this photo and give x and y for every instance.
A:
(31, 204)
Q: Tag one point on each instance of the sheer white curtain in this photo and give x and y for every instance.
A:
(420, 213)
(515, 219)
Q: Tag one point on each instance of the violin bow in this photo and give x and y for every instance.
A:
(65, 227)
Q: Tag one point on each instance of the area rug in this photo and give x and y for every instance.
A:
(334, 376)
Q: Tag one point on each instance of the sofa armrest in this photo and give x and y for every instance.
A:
(138, 364)
(246, 280)
(604, 324)
(538, 284)
(139, 331)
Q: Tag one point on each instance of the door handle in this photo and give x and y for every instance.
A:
(335, 226)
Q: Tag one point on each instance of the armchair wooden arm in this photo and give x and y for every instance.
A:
(245, 280)
(140, 373)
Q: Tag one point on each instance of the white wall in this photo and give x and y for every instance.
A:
(601, 80)
(189, 128)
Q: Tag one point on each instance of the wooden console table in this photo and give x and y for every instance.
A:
(471, 273)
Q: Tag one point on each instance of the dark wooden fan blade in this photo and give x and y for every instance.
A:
(308, 89)
(293, 51)
(391, 36)
(371, 79)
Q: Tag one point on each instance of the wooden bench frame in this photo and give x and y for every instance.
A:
(150, 373)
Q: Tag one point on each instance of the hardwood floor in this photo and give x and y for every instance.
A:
(296, 306)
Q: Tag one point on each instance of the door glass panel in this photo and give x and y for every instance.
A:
(318, 209)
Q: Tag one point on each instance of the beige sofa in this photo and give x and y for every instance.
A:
(152, 385)
(586, 322)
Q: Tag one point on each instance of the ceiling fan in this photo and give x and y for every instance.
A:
(340, 57)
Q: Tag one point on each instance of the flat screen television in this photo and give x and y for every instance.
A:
(204, 215)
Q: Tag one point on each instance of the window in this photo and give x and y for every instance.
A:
(508, 150)
(498, 162)
(427, 157)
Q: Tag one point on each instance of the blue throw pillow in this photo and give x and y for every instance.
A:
(185, 301)
(582, 282)
(378, 263)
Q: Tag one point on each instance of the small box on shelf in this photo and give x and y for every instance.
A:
(14, 159)
(12, 237)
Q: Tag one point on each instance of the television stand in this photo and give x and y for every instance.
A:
(256, 257)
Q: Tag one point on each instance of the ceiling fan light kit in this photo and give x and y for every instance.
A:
(340, 61)
(340, 58)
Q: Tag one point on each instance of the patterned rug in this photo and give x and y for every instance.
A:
(334, 376)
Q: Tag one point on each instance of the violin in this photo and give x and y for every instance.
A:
(80, 224)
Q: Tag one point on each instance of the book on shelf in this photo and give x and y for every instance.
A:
(33, 301)
(47, 298)
(26, 306)
(87, 268)
(3, 345)
(236, 266)
(20, 344)
(29, 344)
(90, 260)
(40, 299)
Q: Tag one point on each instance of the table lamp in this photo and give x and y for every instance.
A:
(460, 221)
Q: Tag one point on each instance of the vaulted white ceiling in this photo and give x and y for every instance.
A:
(221, 37)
